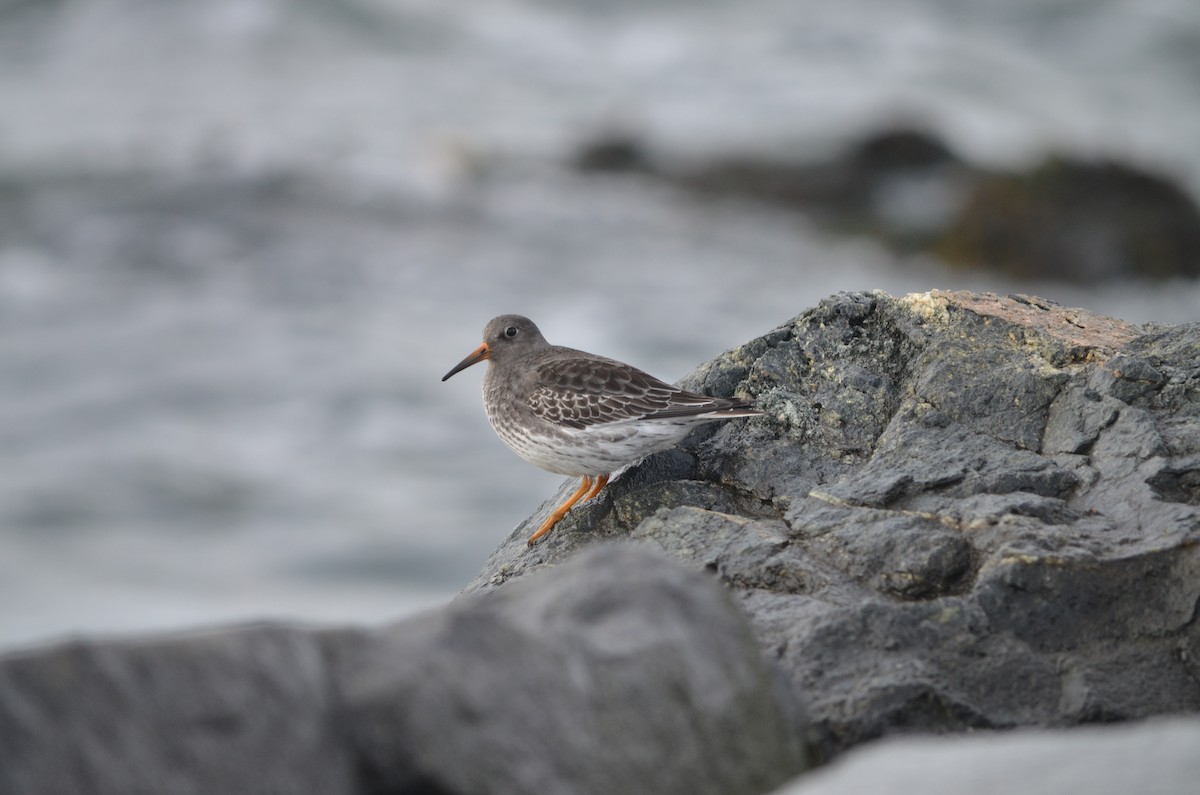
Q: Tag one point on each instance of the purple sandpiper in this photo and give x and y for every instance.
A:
(578, 414)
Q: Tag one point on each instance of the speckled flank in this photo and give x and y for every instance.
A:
(595, 450)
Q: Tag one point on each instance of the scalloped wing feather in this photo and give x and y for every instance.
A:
(580, 393)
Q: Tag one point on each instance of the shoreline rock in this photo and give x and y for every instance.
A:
(619, 671)
(1065, 218)
(1156, 757)
(962, 512)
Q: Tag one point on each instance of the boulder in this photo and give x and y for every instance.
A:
(617, 672)
(1074, 219)
(1156, 757)
(240, 710)
(1065, 218)
(962, 511)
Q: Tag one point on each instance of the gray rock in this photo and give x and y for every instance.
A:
(1064, 218)
(962, 512)
(619, 671)
(1153, 758)
(239, 711)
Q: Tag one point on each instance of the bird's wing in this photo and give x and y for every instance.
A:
(580, 392)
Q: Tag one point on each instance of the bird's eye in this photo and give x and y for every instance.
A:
(511, 331)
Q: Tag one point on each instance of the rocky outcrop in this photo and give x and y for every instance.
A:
(1066, 218)
(1074, 219)
(962, 512)
(617, 672)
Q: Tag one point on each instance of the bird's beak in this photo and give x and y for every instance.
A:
(477, 356)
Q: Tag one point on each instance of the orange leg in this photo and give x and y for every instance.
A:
(561, 510)
(601, 482)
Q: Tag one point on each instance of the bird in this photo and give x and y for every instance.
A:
(578, 414)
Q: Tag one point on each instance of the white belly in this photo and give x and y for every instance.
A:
(598, 450)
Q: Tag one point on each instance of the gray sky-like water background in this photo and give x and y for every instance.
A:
(242, 240)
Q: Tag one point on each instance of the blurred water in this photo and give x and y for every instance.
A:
(241, 241)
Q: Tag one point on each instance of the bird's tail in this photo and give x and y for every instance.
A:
(738, 408)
